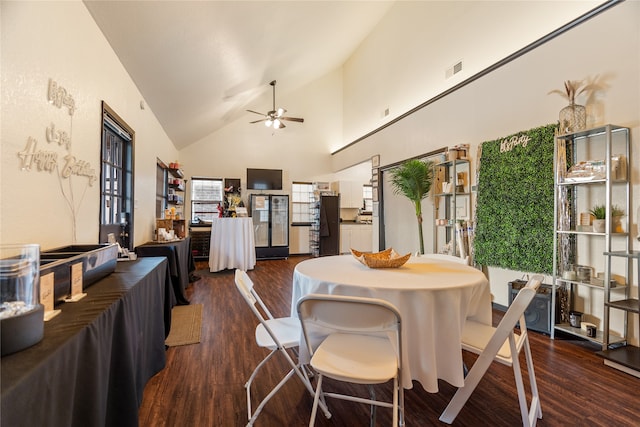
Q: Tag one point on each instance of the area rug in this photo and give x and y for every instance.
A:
(186, 324)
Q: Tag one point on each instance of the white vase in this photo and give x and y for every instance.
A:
(599, 225)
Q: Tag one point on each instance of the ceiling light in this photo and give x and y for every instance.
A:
(276, 124)
(268, 123)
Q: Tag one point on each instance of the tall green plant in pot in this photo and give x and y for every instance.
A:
(413, 179)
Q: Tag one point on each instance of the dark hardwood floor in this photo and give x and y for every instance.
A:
(202, 384)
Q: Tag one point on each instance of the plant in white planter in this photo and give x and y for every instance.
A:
(599, 213)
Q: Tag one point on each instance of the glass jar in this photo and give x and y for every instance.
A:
(21, 314)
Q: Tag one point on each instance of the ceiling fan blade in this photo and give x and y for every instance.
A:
(255, 112)
(258, 121)
(293, 119)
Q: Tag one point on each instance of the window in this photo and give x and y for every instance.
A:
(206, 196)
(367, 195)
(302, 199)
(116, 184)
(161, 189)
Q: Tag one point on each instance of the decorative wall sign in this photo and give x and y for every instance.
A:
(514, 226)
(34, 159)
(58, 96)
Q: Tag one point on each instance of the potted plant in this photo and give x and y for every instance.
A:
(616, 218)
(573, 117)
(599, 213)
(413, 180)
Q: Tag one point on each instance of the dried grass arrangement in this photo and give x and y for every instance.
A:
(384, 259)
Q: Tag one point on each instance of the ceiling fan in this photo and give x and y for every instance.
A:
(275, 117)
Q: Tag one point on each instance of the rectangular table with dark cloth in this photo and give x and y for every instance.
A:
(92, 365)
(180, 259)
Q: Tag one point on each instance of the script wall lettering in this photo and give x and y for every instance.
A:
(509, 144)
(33, 159)
(59, 97)
(61, 137)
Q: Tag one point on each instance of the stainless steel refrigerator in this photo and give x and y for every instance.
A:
(270, 214)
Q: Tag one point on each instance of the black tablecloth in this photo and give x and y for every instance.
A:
(96, 356)
(180, 263)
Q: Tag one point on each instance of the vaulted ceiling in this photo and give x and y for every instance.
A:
(200, 64)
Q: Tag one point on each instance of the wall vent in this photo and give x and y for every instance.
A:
(455, 69)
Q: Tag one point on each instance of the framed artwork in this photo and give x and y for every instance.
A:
(375, 161)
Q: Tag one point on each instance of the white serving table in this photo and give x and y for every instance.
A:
(232, 244)
(434, 298)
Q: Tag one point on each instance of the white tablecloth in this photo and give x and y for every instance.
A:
(232, 244)
(434, 298)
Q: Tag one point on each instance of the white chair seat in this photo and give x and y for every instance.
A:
(356, 358)
(287, 329)
(476, 336)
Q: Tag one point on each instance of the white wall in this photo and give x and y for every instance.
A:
(515, 97)
(59, 40)
(403, 62)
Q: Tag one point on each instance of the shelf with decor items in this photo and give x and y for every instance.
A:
(623, 357)
(452, 205)
(591, 178)
(175, 191)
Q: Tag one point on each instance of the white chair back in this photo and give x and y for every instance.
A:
(322, 315)
(466, 260)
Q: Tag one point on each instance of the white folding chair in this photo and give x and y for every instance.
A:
(446, 257)
(503, 345)
(355, 340)
(275, 334)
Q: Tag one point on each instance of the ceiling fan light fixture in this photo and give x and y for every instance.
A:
(275, 117)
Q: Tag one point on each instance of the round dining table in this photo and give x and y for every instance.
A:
(434, 298)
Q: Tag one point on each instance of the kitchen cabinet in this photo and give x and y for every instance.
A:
(590, 170)
(351, 195)
(356, 236)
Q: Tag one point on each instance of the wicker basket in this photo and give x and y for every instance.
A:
(384, 259)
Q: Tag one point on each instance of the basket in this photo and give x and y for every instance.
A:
(384, 259)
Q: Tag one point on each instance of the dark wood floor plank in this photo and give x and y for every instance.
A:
(203, 384)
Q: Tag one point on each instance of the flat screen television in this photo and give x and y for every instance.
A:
(264, 179)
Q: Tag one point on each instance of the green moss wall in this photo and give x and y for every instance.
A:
(514, 215)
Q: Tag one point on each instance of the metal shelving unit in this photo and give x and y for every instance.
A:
(574, 245)
(451, 206)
